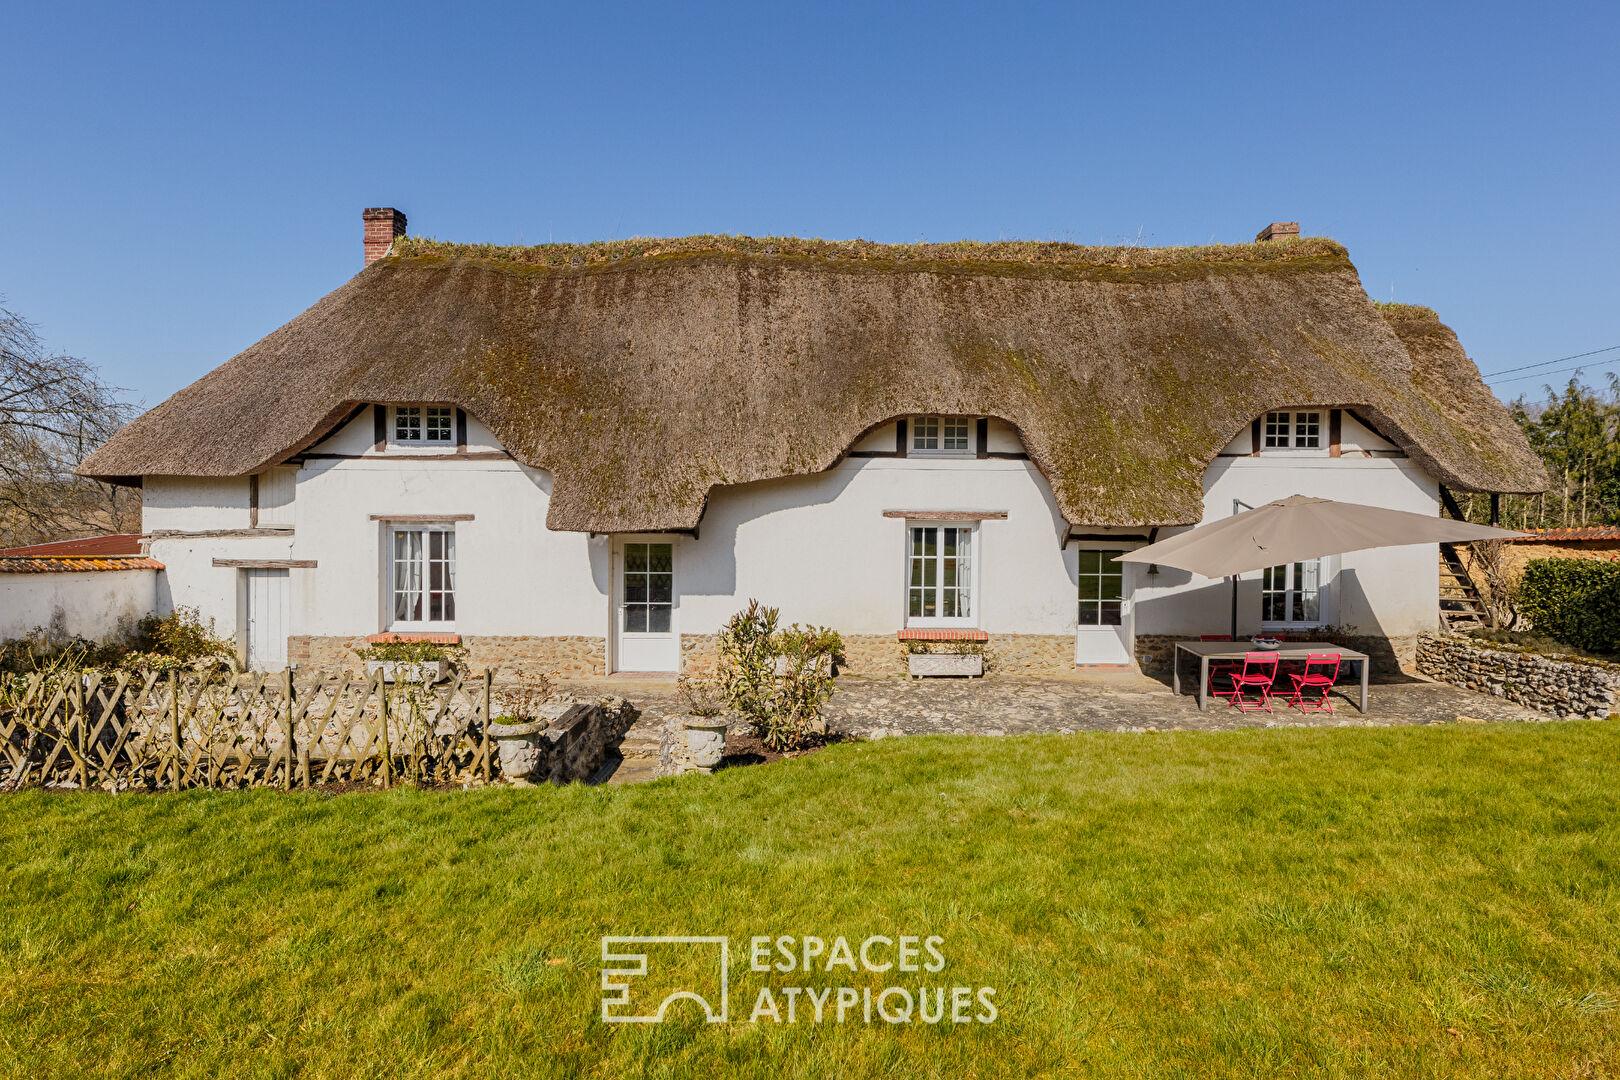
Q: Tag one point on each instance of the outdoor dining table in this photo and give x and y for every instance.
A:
(1206, 651)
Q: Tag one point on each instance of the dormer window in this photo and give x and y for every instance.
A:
(1293, 430)
(424, 425)
(943, 435)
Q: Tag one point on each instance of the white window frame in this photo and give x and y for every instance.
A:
(975, 561)
(398, 414)
(967, 431)
(1291, 588)
(1289, 427)
(391, 530)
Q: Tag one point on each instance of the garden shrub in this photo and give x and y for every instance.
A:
(1576, 601)
(785, 708)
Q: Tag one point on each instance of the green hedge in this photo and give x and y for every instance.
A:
(1576, 601)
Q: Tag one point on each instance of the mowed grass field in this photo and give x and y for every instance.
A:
(1435, 902)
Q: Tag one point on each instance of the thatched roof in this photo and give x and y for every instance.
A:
(644, 373)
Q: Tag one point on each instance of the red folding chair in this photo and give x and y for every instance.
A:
(1220, 670)
(1259, 672)
(1321, 672)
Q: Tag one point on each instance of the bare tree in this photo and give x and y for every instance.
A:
(1497, 578)
(54, 409)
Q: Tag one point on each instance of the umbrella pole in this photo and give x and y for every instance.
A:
(1233, 580)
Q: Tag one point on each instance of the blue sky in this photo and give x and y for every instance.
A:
(179, 181)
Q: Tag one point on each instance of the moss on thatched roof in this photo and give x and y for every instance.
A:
(643, 373)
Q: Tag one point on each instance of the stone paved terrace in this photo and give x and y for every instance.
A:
(1021, 705)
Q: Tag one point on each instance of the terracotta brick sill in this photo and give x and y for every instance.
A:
(952, 633)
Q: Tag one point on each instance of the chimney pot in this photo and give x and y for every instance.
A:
(1278, 230)
(383, 225)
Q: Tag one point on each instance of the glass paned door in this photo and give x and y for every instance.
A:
(1104, 635)
(940, 574)
(647, 641)
(1291, 593)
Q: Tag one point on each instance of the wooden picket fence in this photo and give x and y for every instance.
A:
(155, 731)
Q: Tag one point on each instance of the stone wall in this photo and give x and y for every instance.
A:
(564, 742)
(567, 657)
(1559, 687)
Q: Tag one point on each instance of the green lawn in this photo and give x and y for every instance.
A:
(1435, 901)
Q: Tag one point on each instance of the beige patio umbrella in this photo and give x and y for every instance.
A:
(1297, 528)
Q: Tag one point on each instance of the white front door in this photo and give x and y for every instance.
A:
(1105, 634)
(647, 640)
(267, 618)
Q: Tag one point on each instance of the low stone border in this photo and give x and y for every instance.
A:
(1562, 688)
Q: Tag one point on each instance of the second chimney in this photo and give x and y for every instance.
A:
(384, 225)
(1277, 230)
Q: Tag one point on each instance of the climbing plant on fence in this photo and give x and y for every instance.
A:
(149, 730)
(1576, 601)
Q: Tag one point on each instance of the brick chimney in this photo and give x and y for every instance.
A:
(1277, 230)
(383, 225)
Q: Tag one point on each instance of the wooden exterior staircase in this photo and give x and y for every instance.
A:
(1461, 606)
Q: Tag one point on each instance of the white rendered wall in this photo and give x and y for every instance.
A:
(513, 575)
(93, 604)
(818, 546)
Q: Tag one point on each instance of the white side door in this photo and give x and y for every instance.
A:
(647, 638)
(268, 615)
(1104, 635)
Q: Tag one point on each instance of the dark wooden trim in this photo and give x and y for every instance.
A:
(253, 501)
(266, 564)
(1006, 455)
(421, 519)
(213, 534)
(379, 430)
(948, 515)
(984, 437)
(1335, 431)
(900, 437)
(1496, 509)
(1449, 501)
(873, 453)
(461, 431)
(1254, 437)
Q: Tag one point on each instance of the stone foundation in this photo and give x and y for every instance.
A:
(1558, 687)
(700, 655)
(568, 657)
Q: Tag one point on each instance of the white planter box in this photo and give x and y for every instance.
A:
(925, 664)
(426, 671)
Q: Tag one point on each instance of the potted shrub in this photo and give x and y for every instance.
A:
(518, 730)
(704, 726)
(945, 658)
(424, 662)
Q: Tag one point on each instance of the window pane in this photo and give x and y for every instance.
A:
(658, 620)
(635, 558)
(916, 541)
(1276, 429)
(915, 608)
(1307, 429)
(449, 607)
(956, 433)
(1090, 587)
(660, 558)
(635, 619)
(407, 425)
(1089, 562)
(660, 588)
(1111, 587)
(1088, 613)
(1111, 612)
(635, 588)
(926, 433)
